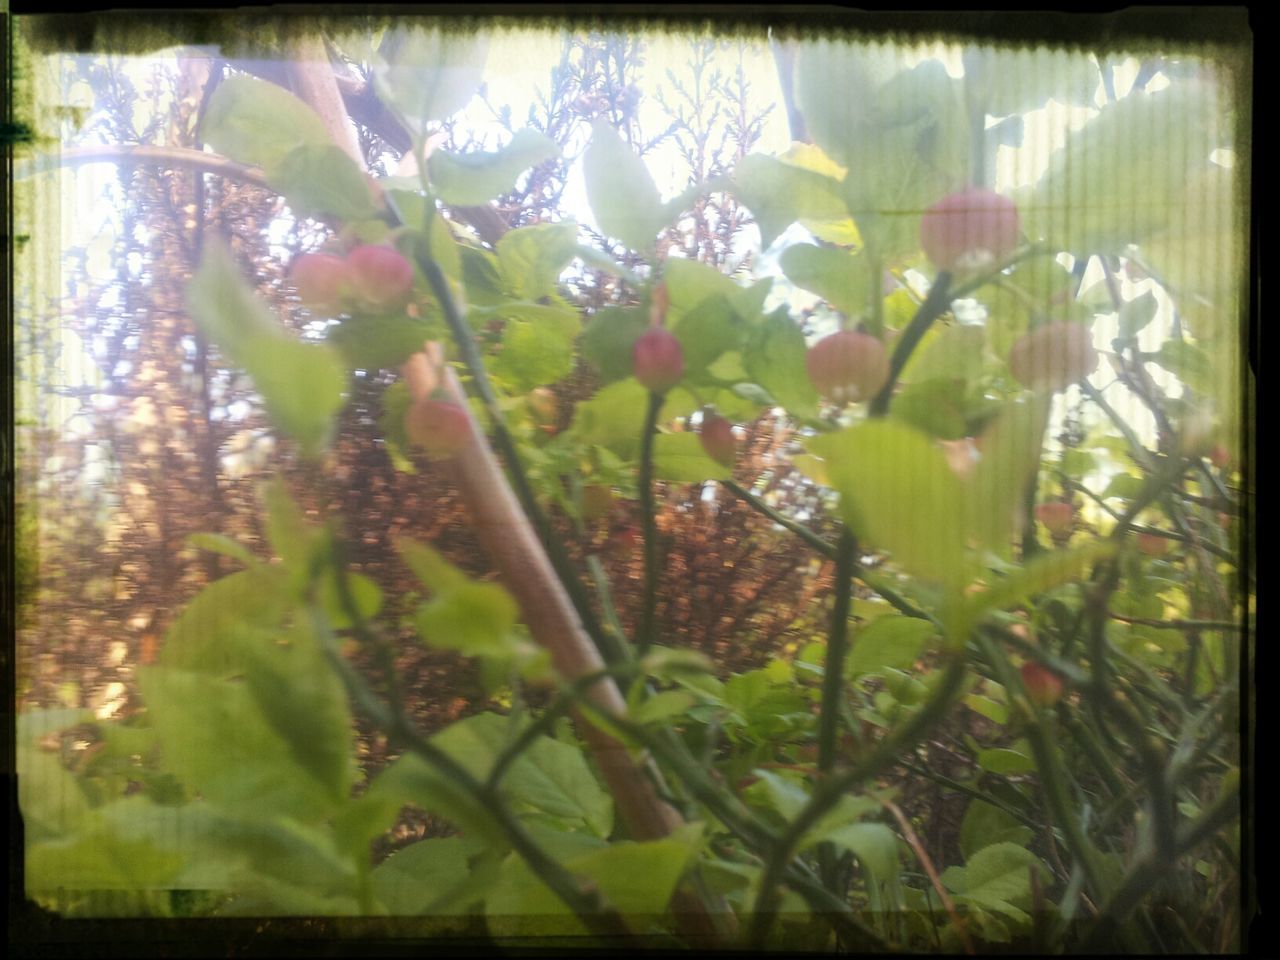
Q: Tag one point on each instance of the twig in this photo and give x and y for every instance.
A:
(913, 841)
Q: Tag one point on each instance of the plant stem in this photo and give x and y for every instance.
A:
(587, 906)
(1052, 774)
(828, 792)
(648, 608)
(1148, 872)
(804, 533)
(833, 679)
(935, 304)
(612, 649)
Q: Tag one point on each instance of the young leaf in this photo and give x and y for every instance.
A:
(680, 458)
(898, 493)
(531, 259)
(472, 179)
(429, 75)
(839, 277)
(323, 180)
(622, 194)
(257, 122)
(779, 193)
(301, 384)
(890, 641)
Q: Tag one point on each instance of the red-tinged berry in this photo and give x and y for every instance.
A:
(848, 366)
(1220, 456)
(439, 427)
(657, 359)
(542, 404)
(1053, 356)
(1043, 686)
(1057, 517)
(969, 230)
(381, 278)
(321, 279)
(1153, 545)
(716, 435)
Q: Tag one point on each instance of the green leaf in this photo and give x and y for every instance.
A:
(889, 641)
(537, 353)
(472, 179)
(705, 332)
(662, 706)
(690, 282)
(301, 383)
(1123, 173)
(201, 639)
(1136, 314)
(994, 494)
(305, 702)
(412, 878)
(998, 877)
(839, 277)
(49, 796)
(679, 458)
(782, 795)
(933, 407)
(475, 619)
(217, 543)
(531, 259)
(430, 75)
(609, 339)
(623, 198)
(100, 861)
(550, 778)
(639, 878)
(1041, 574)
(322, 180)
(985, 824)
(382, 341)
(666, 663)
(1188, 363)
(613, 418)
(395, 404)
(874, 844)
(898, 494)
(1006, 81)
(216, 738)
(1004, 762)
(778, 194)
(948, 353)
(835, 122)
(775, 359)
(430, 567)
(257, 122)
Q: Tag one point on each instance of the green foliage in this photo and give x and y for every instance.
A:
(470, 179)
(237, 779)
(623, 198)
(301, 384)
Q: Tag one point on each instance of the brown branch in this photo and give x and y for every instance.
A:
(913, 841)
(513, 545)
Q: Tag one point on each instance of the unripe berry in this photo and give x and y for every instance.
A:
(1053, 356)
(969, 230)
(440, 427)
(717, 440)
(657, 359)
(542, 405)
(1043, 686)
(381, 278)
(321, 279)
(1056, 516)
(1152, 545)
(848, 366)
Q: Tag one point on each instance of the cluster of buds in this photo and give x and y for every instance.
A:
(369, 279)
